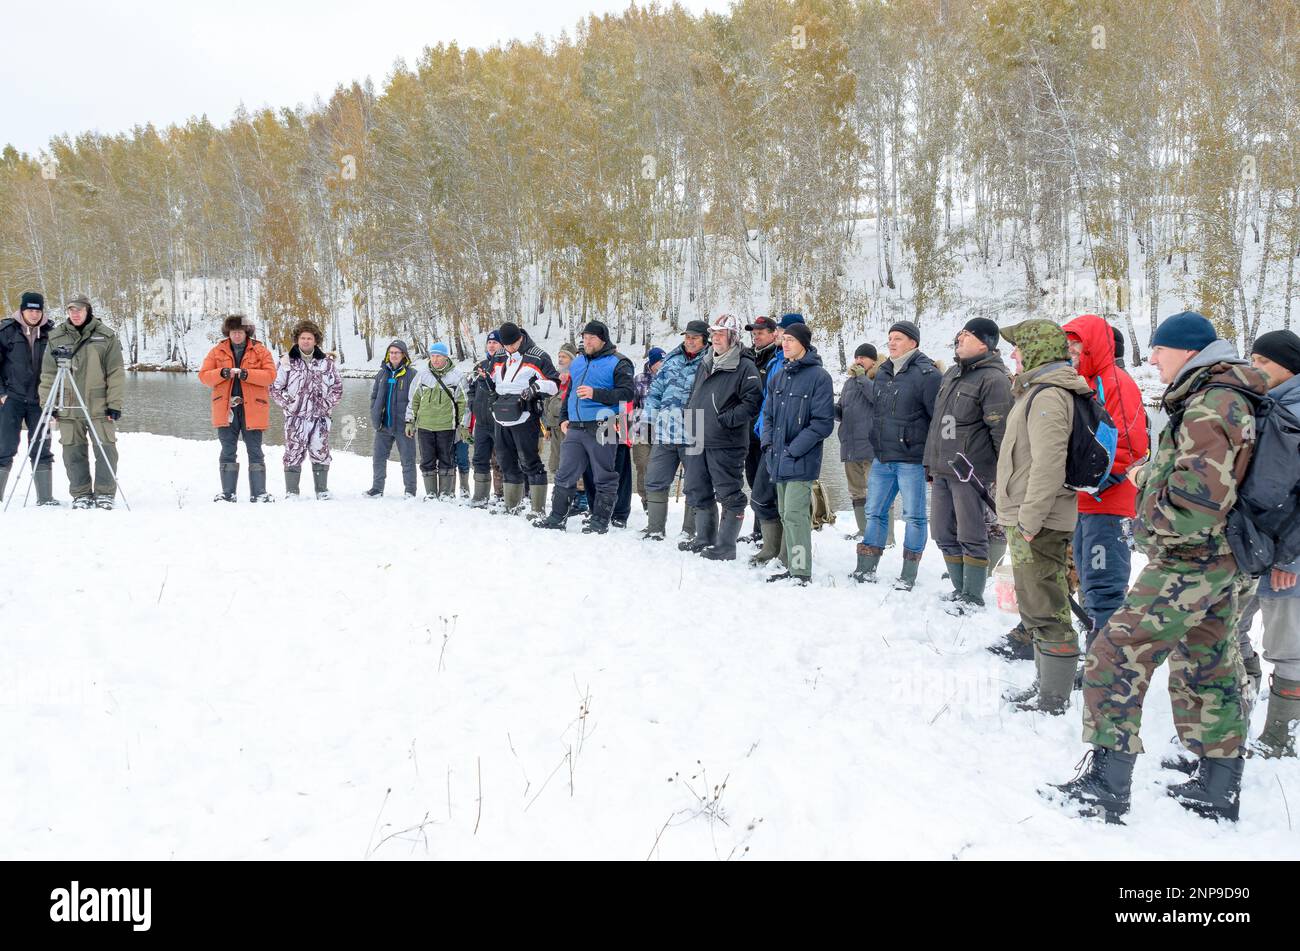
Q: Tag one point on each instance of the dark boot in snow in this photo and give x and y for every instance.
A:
(4, 477)
(911, 565)
(292, 481)
(257, 483)
(954, 566)
(724, 547)
(513, 493)
(44, 479)
(1181, 764)
(656, 508)
(773, 534)
(598, 524)
(320, 475)
(1018, 644)
(464, 481)
(482, 491)
(868, 562)
(537, 501)
(688, 523)
(1055, 682)
(706, 529)
(430, 485)
(1215, 791)
(229, 482)
(1103, 784)
(559, 517)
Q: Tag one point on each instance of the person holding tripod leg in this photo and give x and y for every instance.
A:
(100, 377)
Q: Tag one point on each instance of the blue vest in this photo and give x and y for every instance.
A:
(597, 373)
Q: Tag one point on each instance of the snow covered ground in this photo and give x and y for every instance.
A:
(399, 679)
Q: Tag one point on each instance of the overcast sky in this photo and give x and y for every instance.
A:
(71, 66)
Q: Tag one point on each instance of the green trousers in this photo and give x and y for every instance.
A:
(1042, 591)
(794, 505)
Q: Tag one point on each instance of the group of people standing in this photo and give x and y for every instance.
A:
(979, 454)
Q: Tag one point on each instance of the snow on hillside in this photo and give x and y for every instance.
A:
(993, 289)
(392, 679)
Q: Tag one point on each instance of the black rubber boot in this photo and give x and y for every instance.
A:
(706, 529)
(320, 475)
(559, 517)
(292, 481)
(598, 524)
(1055, 682)
(257, 483)
(656, 507)
(229, 482)
(44, 479)
(4, 477)
(482, 491)
(1215, 791)
(724, 548)
(430, 484)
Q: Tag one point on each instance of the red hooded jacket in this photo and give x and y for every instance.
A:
(1123, 402)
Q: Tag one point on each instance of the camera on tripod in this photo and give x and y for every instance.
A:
(62, 354)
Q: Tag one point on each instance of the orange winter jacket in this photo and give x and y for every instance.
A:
(260, 365)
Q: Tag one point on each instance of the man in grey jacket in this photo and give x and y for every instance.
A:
(854, 410)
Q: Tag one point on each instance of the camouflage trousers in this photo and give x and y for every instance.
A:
(1184, 609)
(1042, 595)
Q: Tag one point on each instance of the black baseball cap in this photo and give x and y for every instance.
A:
(762, 323)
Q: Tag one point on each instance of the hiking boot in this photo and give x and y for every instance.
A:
(1102, 786)
(1017, 644)
(105, 502)
(1215, 791)
(88, 501)
(373, 493)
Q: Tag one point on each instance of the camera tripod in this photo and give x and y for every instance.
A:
(56, 402)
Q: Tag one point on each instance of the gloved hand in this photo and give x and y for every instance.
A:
(530, 392)
(410, 430)
(243, 374)
(115, 414)
(225, 373)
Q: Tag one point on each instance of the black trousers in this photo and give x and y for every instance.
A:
(623, 465)
(763, 494)
(716, 475)
(14, 414)
(437, 450)
(229, 437)
(484, 442)
(517, 453)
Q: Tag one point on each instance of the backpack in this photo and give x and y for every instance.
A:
(1264, 525)
(822, 511)
(1090, 453)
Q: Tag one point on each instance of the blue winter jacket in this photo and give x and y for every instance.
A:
(669, 391)
(777, 361)
(1288, 395)
(799, 413)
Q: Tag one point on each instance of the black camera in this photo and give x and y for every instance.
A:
(62, 353)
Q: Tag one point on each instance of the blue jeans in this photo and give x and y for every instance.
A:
(462, 456)
(1103, 561)
(888, 479)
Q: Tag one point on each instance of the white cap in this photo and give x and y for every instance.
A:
(726, 322)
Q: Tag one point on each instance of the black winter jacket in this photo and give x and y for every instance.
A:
(20, 373)
(976, 394)
(724, 401)
(903, 408)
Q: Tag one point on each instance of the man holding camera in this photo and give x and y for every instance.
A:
(95, 356)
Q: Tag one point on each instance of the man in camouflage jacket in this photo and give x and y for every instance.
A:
(1184, 603)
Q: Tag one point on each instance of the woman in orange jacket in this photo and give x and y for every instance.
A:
(240, 371)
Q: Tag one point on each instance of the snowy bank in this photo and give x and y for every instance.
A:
(400, 679)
